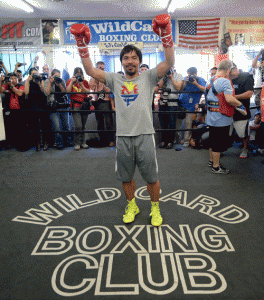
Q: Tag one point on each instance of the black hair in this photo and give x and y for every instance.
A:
(192, 71)
(130, 48)
(19, 71)
(99, 63)
(214, 68)
(55, 71)
(78, 70)
(144, 65)
(12, 74)
(32, 69)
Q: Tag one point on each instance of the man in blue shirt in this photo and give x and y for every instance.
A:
(192, 83)
(218, 122)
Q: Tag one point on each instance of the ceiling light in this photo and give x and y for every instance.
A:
(19, 4)
(174, 4)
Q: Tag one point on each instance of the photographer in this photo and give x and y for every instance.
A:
(15, 124)
(172, 82)
(81, 104)
(59, 119)
(258, 69)
(103, 103)
(195, 85)
(37, 102)
(3, 68)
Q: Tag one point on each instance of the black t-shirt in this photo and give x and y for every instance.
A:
(242, 84)
(36, 98)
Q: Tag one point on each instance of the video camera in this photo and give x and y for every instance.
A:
(165, 95)
(165, 90)
(79, 77)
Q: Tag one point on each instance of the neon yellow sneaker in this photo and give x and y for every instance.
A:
(156, 218)
(131, 211)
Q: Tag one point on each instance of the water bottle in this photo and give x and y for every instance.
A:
(191, 100)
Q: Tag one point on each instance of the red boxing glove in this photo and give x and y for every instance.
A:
(82, 36)
(161, 25)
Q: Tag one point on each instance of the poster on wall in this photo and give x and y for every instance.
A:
(242, 31)
(115, 33)
(19, 33)
(50, 32)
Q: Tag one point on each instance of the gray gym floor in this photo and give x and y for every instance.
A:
(62, 235)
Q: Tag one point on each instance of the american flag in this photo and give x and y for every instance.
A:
(199, 34)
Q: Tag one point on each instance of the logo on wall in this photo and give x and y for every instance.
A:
(50, 32)
(123, 260)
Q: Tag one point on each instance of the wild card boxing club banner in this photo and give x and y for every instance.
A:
(15, 32)
(116, 32)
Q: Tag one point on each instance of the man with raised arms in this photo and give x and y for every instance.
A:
(135, 145)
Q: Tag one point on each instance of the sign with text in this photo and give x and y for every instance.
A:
(19, 33)
(245, 31)
(121, 31)
(118, 45)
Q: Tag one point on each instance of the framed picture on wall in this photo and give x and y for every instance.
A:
(50, 32)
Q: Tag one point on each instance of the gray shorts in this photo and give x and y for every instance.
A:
(132, 151)
(241, 128)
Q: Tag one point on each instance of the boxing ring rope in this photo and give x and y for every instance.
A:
(113, 112)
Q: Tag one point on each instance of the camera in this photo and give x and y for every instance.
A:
(44, 76)
(79, 77)
(22, 64)
(36, 78)
(169, 72)
(57, 79)
(192, 77)
(7, 78)
(101, 68)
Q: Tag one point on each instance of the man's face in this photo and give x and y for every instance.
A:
(234, 73)
(130, 63)
(19, 75)
(45, 69)
(262, 63)
(257, 118)
(143, 69)
(101, 67)
(213, 72)
(13, 80)
(49, 27)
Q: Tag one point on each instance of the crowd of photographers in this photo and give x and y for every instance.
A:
(36, 110)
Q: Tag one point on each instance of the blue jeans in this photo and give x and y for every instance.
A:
(60, 122)
(167, 121)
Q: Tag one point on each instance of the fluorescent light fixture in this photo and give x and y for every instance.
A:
(19, 4)
(174, 4)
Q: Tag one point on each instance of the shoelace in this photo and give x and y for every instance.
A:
(155, 209)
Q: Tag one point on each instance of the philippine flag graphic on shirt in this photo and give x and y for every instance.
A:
(129, 92)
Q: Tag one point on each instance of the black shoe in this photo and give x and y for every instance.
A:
(162, 145)
(220, 170)
(169, 146)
